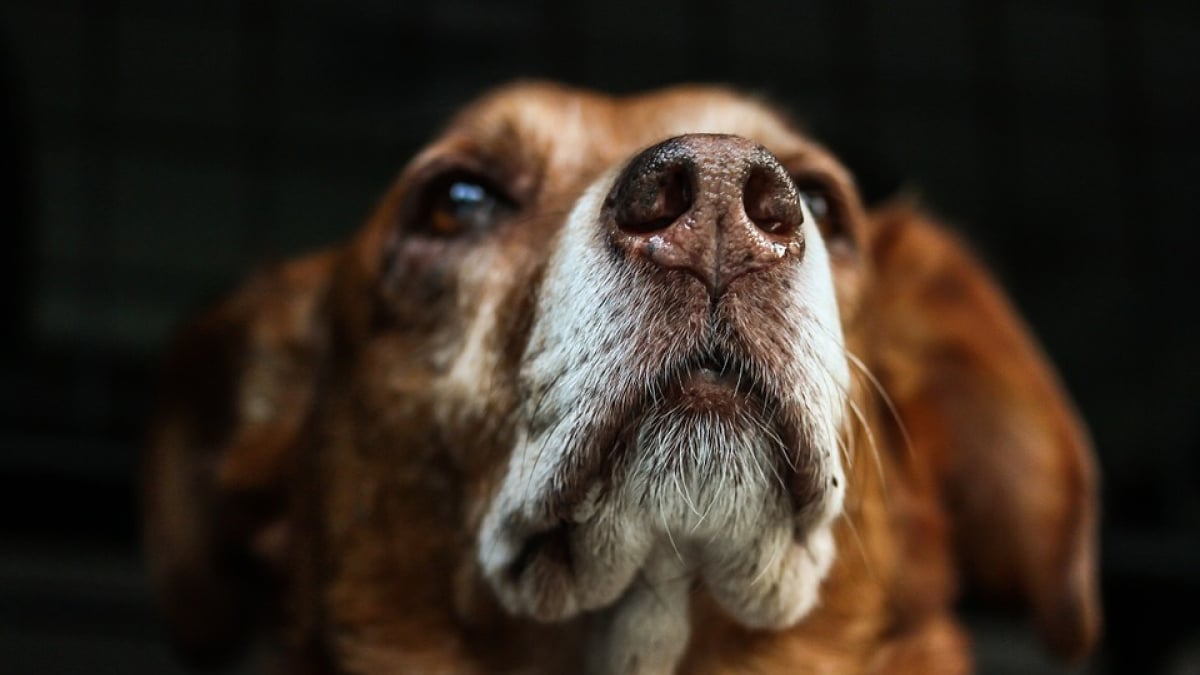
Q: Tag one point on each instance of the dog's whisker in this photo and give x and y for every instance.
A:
(683, 491)
(878, 461)
(778, 553)
(667, 529)
(887, 399)
(848, 516)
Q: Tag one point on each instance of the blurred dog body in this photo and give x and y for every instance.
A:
(619, 385)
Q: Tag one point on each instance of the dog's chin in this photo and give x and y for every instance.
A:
(704, 478)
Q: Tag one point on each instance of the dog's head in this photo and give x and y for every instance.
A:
(591, 359)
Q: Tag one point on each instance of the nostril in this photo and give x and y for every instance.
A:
(771, 202)
(656, 200)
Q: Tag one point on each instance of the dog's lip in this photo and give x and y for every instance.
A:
(708, 382)
(712, 368)
(711, 374)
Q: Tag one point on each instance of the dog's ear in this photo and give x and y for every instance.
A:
(983, 405)
(235, 391)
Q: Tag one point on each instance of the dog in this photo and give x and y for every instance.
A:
(619, 385)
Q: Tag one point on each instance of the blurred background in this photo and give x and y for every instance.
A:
(156, 152)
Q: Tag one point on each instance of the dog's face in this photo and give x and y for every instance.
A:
(644, 320)
(590, 358)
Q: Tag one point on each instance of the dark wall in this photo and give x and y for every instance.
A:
(158, 151)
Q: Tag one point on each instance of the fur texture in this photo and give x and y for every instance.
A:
(511, 436)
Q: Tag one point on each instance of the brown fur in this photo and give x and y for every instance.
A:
(311, 461)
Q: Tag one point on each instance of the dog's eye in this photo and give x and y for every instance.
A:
(824, 208)
(818, 204)
(460, 204)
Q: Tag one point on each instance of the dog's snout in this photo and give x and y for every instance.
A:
(715, 206)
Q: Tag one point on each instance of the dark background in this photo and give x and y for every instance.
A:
(156, 152)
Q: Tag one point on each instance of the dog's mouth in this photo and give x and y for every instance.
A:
(702, 462)
(711, 381)
(717, 386)
(713, 389)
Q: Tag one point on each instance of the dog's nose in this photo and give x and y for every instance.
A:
(715, 206)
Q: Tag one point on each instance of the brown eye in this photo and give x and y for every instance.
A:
(818, 205)
(460, 205)
(824, 209)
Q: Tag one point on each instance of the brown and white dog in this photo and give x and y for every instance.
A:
(619, 385)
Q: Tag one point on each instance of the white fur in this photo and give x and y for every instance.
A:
(700, 498)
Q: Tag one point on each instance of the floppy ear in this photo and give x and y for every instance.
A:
(235, 391)
(982, 403)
